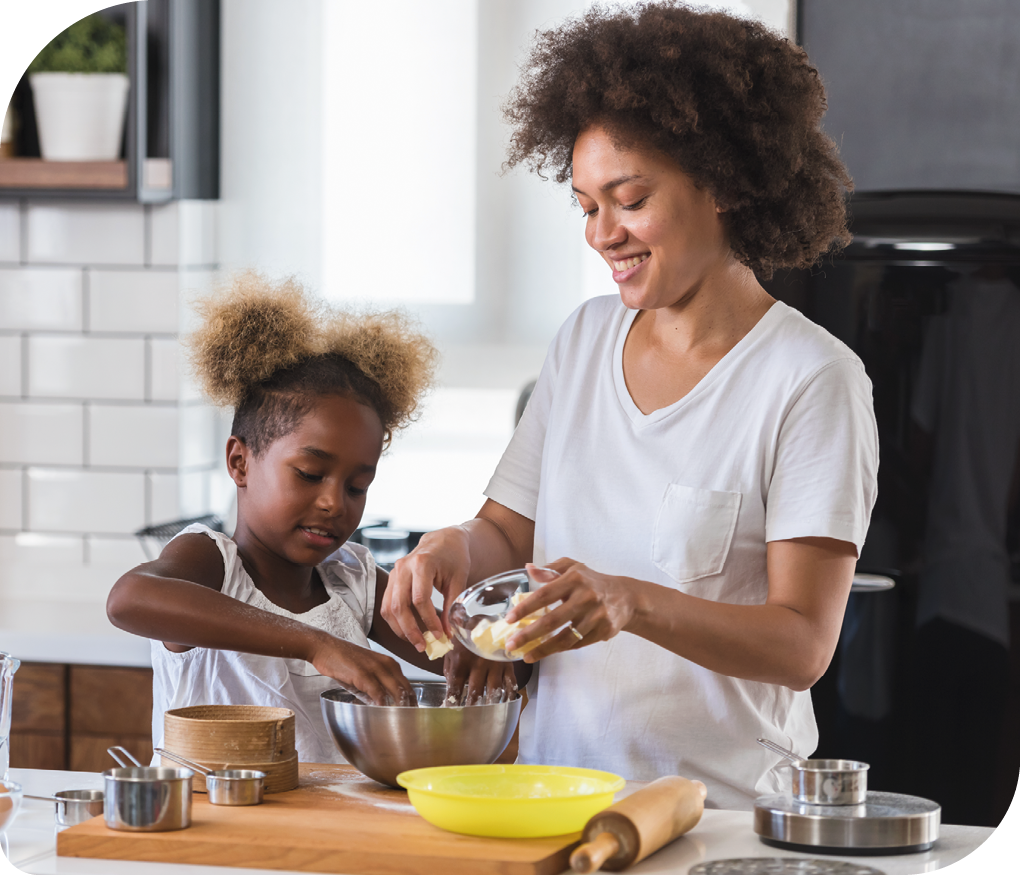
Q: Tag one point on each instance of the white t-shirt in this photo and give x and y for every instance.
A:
(204, 676)
(777, 441)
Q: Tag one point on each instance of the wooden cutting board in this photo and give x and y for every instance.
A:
(337, 820)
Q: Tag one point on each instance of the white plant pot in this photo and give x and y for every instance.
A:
(80, 116)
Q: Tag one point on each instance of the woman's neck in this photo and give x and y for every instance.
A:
(709, 321)
(668, 351)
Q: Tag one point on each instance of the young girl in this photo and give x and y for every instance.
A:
(285, 608)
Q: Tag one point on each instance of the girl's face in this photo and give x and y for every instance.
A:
(662, 236)
(304, 496)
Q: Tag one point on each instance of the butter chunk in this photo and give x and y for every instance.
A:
(436, 647)
(490, 636)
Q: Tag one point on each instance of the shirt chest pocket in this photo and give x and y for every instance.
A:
(693, 531)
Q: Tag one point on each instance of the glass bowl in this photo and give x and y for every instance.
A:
(10, 802)
(477, 614)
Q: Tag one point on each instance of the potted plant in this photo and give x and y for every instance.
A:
(80, 89)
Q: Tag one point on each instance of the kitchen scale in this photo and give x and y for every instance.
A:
(780, 866)
(885, 823)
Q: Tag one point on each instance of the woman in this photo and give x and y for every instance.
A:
(697, 461)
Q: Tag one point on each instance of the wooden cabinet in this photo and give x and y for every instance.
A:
(66, 716)
(39, 717)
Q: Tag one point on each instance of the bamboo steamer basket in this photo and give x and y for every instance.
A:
(245, 736)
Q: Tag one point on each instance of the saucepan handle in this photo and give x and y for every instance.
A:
(116, 750)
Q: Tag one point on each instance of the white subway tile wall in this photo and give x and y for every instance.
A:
(10, 233)
(101, 433)
(197, 437)
(33, 549)
(10, 365)
(164, 370)
(137, 301)
(116, 553)
(194, 493)
(40, 299)
(41, 434)
(164, 499)
(61, 499)
(86, 367)
(183, 234)
(10, 498)
(83, 234)
(164, 235)
(135, 437)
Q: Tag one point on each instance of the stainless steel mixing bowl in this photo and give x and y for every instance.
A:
(382, 740)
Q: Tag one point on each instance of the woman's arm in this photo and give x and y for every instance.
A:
(176, 599)
(382, 634)
(450, 559)
(789, 640)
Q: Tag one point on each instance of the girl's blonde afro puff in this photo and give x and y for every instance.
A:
(388, 348)
(267, 351)
(250, 331)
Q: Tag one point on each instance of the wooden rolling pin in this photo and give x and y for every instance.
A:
(631, 829)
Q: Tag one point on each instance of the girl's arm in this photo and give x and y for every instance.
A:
(788, 640)
(176, 599)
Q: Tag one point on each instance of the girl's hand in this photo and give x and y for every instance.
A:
(471, 679)
(370, 675)
(441, 561)
(597, 607)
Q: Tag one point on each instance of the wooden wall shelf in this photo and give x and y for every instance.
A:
(37, 173)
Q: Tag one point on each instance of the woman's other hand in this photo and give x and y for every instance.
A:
(471, 679)
(596, 607)
(370, 675)
(441, 561)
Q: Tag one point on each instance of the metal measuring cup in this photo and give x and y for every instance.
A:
(225, 786)
(824, 782)
(74, 806)
(146, 799)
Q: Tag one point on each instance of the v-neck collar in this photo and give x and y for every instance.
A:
(639, 419)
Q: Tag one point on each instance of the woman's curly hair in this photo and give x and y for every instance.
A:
(736, 106)
(269, 351)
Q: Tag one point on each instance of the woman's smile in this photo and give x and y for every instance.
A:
(627, 268)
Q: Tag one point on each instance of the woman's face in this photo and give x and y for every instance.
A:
(662, 236)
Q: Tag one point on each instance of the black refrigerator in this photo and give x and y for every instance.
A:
(924, 683)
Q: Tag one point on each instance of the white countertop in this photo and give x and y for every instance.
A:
(720, 835)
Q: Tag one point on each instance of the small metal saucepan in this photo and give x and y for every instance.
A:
(145, 799)
(74, 806)
(824, 782)
(226, 786)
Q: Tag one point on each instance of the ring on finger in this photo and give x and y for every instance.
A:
(574, 632)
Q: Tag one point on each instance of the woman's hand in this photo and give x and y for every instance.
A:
(597, 607)
(370, 675)
(471, 679)
(441, 561)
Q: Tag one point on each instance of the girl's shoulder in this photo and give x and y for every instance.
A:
(352, 565)
(199, 544)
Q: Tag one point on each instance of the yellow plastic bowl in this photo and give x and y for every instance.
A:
(513, 801)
